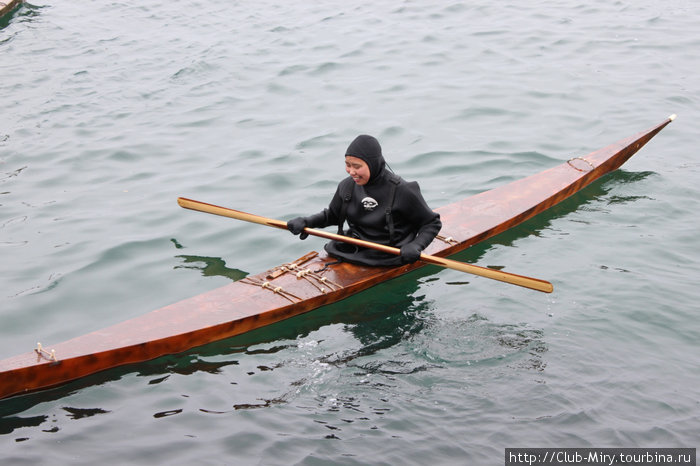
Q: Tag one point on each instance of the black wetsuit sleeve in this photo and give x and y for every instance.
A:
(415, 210)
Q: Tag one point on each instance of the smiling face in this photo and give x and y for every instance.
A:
(357, 169)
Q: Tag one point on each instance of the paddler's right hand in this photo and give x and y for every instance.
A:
(297, 225)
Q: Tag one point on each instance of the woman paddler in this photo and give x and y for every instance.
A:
(379, 206)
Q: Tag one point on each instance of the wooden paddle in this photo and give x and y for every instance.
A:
(520, 280)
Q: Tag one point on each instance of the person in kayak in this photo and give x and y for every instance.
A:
(379, 206)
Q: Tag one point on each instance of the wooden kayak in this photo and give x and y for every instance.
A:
(302, 285)
(6, 6)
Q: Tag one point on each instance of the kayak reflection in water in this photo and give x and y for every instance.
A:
(379, 206)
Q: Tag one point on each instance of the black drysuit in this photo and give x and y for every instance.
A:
(413, 221)
(387, 210)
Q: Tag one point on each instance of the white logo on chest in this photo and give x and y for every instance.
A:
(369, 204)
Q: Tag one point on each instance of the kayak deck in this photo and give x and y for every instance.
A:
(7, 6)
(303, 285)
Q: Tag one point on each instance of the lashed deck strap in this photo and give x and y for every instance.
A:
(313, 277)
(586, 169)
(447, 239)
(45, 354)
(275, 289)
(316, 279)
(277, 271)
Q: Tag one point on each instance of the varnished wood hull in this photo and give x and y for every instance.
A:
(7, 6)
(245, 305)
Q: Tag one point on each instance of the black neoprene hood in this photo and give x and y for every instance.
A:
(368, 149)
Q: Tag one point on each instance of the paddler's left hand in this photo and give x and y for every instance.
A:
(410, 253)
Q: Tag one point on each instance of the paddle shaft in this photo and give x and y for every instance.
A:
(520, 280)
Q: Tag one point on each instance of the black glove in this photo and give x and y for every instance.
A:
(410, 253)
(297, 225)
